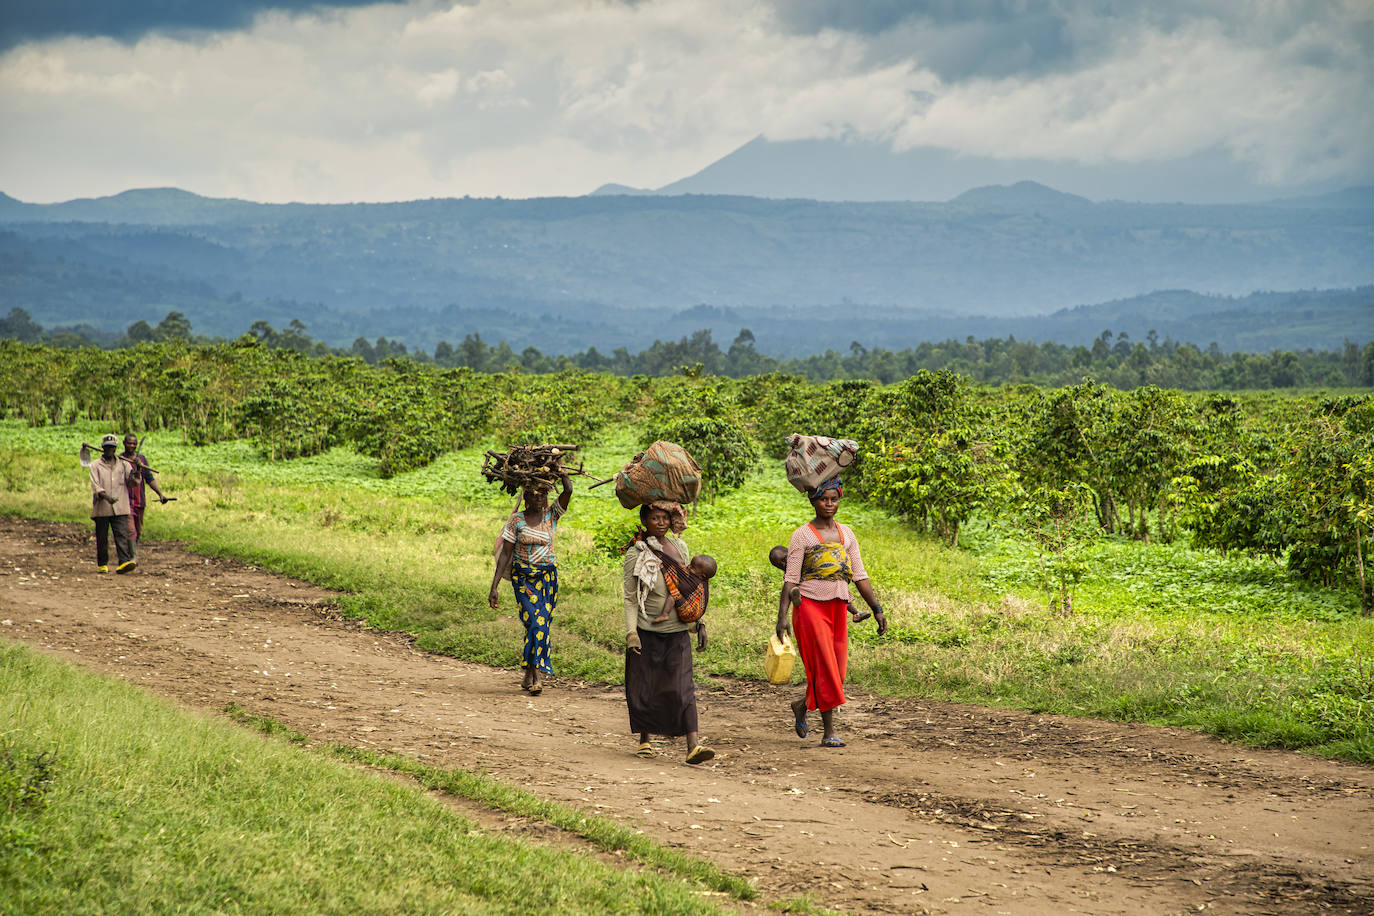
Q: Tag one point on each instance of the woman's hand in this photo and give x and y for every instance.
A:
(881, 619)
(492, 599)
(784, 628)
(632, 643)
(865, 588)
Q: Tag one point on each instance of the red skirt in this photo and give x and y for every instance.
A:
(822, 630)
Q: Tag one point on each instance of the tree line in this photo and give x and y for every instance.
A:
(1112, 358)
(1288, 475)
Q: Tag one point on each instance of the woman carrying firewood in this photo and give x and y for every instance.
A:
(527, 554)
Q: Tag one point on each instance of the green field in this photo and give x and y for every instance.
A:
(114, 802)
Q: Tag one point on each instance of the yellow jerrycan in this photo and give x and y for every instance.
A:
(777, 664)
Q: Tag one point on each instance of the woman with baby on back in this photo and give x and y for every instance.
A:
(665, 595)
(822, 559)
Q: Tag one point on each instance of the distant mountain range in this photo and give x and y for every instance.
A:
(607, 271)
(861, 170)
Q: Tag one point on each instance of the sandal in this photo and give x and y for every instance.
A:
(527, 680)
(800, 725)
(831, 742)
(645, 750)
(700, 754)
(535, 689)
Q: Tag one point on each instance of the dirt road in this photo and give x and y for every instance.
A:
(932, 808)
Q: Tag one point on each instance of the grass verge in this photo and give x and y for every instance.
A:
(115, 801)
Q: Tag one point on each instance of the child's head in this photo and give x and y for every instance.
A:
(703, 565)
(778, 557)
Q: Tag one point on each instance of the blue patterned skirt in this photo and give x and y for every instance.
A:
(536, 591)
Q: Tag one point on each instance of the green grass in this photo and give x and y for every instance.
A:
(148, 809)
(1161, 633)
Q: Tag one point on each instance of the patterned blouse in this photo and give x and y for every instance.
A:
(822, 589)
(533, 543)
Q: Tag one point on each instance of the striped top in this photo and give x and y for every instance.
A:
(533, 543)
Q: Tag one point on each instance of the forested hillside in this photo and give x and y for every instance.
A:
(1283, 476)
(569, 273)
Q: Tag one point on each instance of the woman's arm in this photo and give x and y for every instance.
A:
(566, 496)
(502, 567)
(701, 621)
(784, 605)
(791, 578)
(632, 600)
(862, 583)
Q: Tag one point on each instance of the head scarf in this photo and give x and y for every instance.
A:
(831, 484)
(677, 518)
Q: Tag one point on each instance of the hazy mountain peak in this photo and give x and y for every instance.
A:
(155, 194)
(152, 206)
(1023, 194)
(612, 189)
(850, 169)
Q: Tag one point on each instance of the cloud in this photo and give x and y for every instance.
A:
(952, 39)
(964, 39)
(1292, 109)
(1283, 86)
(551, 97)
(130, 20)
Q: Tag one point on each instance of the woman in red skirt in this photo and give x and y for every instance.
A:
(822, 559)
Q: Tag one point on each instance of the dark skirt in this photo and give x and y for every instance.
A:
(658, 685)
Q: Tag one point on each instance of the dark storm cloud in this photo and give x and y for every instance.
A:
(129, 20)
(956, 40)
(961, 39)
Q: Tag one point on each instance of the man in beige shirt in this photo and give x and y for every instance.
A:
(111, 479)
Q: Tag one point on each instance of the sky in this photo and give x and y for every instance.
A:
(339, 102)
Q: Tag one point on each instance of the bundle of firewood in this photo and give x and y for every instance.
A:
(532, 466)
